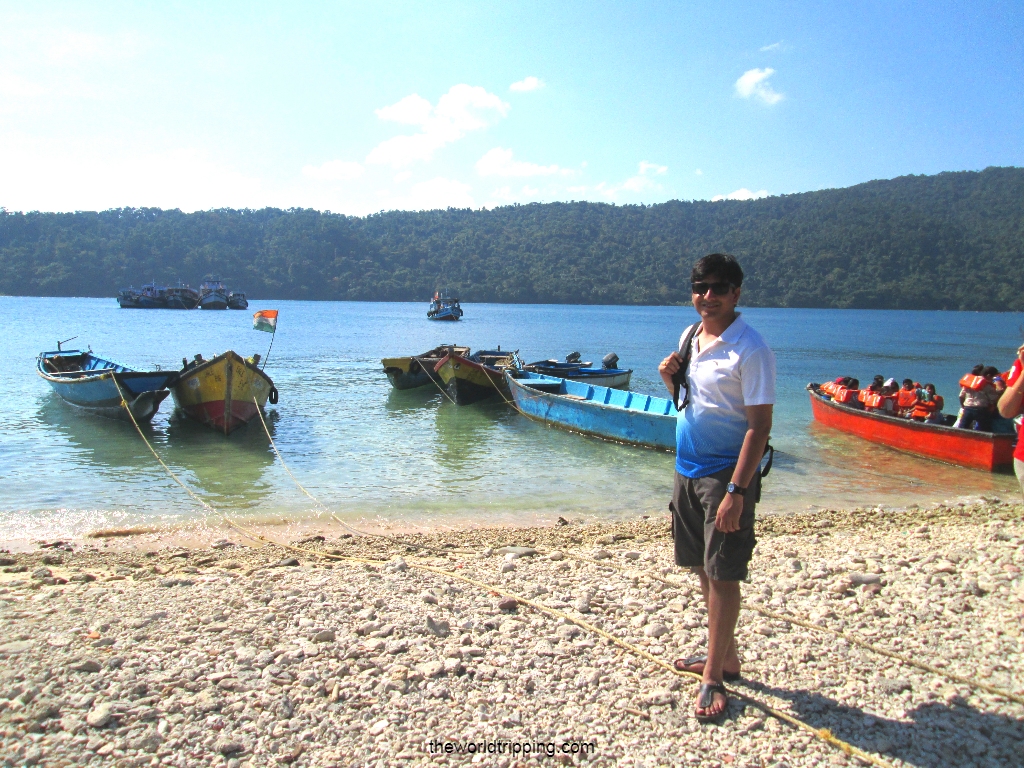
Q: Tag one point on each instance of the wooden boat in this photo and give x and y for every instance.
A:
(213, 294)
(616, 378)
(225, 392)
(128, 298)
(469, 378)
(96, 384)
(237, 300)
(964, 447)
(442, 307)
(612, 414)
(418, 370)
(181, 297)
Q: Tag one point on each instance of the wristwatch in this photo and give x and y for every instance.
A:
(737, 489)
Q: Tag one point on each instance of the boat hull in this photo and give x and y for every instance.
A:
(98, 389)
(417, 370)
(214, 300)
(237, 301)
(963, 447)
(611, 414)
(467, 381)
(224, 393)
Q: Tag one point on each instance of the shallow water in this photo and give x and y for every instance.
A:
(410, 459)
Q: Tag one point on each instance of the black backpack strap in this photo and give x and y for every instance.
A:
(679, 380)
(769, 451)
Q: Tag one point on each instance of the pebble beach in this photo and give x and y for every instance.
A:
(238, 653)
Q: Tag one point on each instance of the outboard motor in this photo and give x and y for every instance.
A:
(573, 357)
(611, 360)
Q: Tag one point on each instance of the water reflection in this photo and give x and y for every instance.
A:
(465, 435)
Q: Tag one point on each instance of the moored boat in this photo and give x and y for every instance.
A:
(213, 294)
(237, 300)
(418, 370)
(612, 414)
(181, 297)
(469, 378)
(103, 387)
(224, 393)
(152, 296)
(443, 307)
(128, 298)
(964, 447)
(608, 375)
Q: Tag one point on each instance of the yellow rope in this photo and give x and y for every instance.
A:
(821, 733)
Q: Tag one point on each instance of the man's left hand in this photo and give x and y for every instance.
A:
(728, 518)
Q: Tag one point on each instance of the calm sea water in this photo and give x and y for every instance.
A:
(410, 459)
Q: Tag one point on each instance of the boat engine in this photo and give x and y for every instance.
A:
(573, 357)
(611, 360)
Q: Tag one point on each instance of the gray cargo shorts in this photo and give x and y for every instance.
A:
(698, 544)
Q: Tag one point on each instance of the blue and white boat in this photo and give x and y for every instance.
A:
(95, 384)
(612, 414)
(443, 307)
(213, 294)
(607, 375)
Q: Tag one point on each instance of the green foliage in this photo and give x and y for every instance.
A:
(951, 241)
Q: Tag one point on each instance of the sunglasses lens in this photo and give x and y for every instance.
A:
(700, 288)
(719, 289)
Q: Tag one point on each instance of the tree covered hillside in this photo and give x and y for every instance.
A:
(951, 241)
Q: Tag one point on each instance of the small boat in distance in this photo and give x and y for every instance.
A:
(964, 447)
(237, 300)
(608, 375)
(153, 296)
(224, 393)
(96, 385)
(612, 414)
(442, 307)
(128, 298)
(469, 378)
(418, 370)
(213, 294)
(181, 297)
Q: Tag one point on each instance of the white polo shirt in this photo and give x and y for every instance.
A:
(734, 371)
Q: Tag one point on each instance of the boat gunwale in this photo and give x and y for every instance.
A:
(185, 374)
(613, 406)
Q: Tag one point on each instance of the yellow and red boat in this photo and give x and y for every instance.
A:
(224, 393)
(474, 377)
(965, 447)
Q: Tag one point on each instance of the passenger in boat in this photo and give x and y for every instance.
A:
(1011, 405)
(928, 407)
(906, 398)
(883, 400)
(724, 420)
(998, 382)
(978, 397)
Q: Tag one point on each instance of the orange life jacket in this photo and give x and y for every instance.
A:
(845, 395)
(906, 398)
(977, 383)
(925, 408)
(877, 400)
(829, 387)
(864, 394)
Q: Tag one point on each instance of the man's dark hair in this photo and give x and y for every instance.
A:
(930, 386)
(908, 381)
(978, 370)
(720, 265)
(990, 370)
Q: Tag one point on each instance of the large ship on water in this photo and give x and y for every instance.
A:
(212, 294)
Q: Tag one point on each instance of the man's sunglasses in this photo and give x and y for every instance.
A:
(719, 289)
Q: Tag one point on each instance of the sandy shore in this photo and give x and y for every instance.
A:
(239, 655)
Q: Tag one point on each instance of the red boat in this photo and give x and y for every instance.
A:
(965, 447)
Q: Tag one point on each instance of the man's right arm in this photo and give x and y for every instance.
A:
(1013, 395)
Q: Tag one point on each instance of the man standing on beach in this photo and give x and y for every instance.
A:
(722, 430)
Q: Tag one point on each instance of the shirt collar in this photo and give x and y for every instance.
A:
(732, 334)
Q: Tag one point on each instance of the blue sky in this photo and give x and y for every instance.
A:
(362, 107)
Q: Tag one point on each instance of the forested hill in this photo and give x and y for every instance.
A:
(951, 241)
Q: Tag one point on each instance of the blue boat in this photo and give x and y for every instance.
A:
(213, 294)
(608, 375)
(444, 308)
(612, 414)
(90, 382)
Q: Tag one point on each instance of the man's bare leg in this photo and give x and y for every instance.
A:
(732, 658)
(723, 601)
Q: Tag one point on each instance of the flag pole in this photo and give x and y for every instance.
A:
(272, 337)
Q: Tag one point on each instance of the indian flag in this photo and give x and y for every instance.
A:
(265, 320)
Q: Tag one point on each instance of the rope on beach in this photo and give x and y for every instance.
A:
(827, 630)
(824, 734)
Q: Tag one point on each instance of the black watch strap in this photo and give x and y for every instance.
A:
(737, 489)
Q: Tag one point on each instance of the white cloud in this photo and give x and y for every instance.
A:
(741, 194)
(754, 82)
(464, 108)
(772, 47)
(642, 181)
(335, 170)
(436, 193)
(530, 83)
(652, 168)
(499, 162)
(698, 172)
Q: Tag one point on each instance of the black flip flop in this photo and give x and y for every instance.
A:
(689, 661)
(706, 698)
